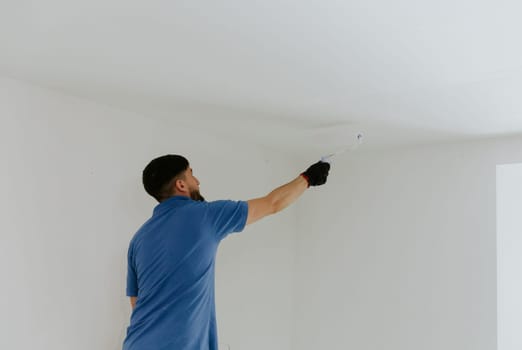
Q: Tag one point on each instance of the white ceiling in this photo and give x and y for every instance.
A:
(403, 71)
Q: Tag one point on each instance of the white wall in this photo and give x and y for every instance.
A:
(509, 258)
(72, 198)
(398, 251)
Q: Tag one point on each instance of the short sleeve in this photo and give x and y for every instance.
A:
(227, 216)
(132, 278)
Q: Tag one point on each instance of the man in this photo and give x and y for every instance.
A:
(170, 277)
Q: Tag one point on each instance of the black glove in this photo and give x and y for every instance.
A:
(317, 173)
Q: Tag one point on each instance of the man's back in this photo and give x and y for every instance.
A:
(171, 271)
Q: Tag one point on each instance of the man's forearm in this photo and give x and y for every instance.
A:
(285, 195)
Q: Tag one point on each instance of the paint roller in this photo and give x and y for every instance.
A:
(353, 146)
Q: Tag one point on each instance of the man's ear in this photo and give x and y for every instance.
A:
(180, 186)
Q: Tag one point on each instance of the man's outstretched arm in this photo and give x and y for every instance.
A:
(283, 196)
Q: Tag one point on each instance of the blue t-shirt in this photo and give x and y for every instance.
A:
(171, 271)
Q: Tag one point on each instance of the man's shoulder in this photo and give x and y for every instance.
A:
(220, 202)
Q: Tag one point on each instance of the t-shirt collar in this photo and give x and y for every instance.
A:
(169, 203)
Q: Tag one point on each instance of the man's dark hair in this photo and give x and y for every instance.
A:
(159, 174)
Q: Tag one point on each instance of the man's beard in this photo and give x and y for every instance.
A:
(195, 195)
